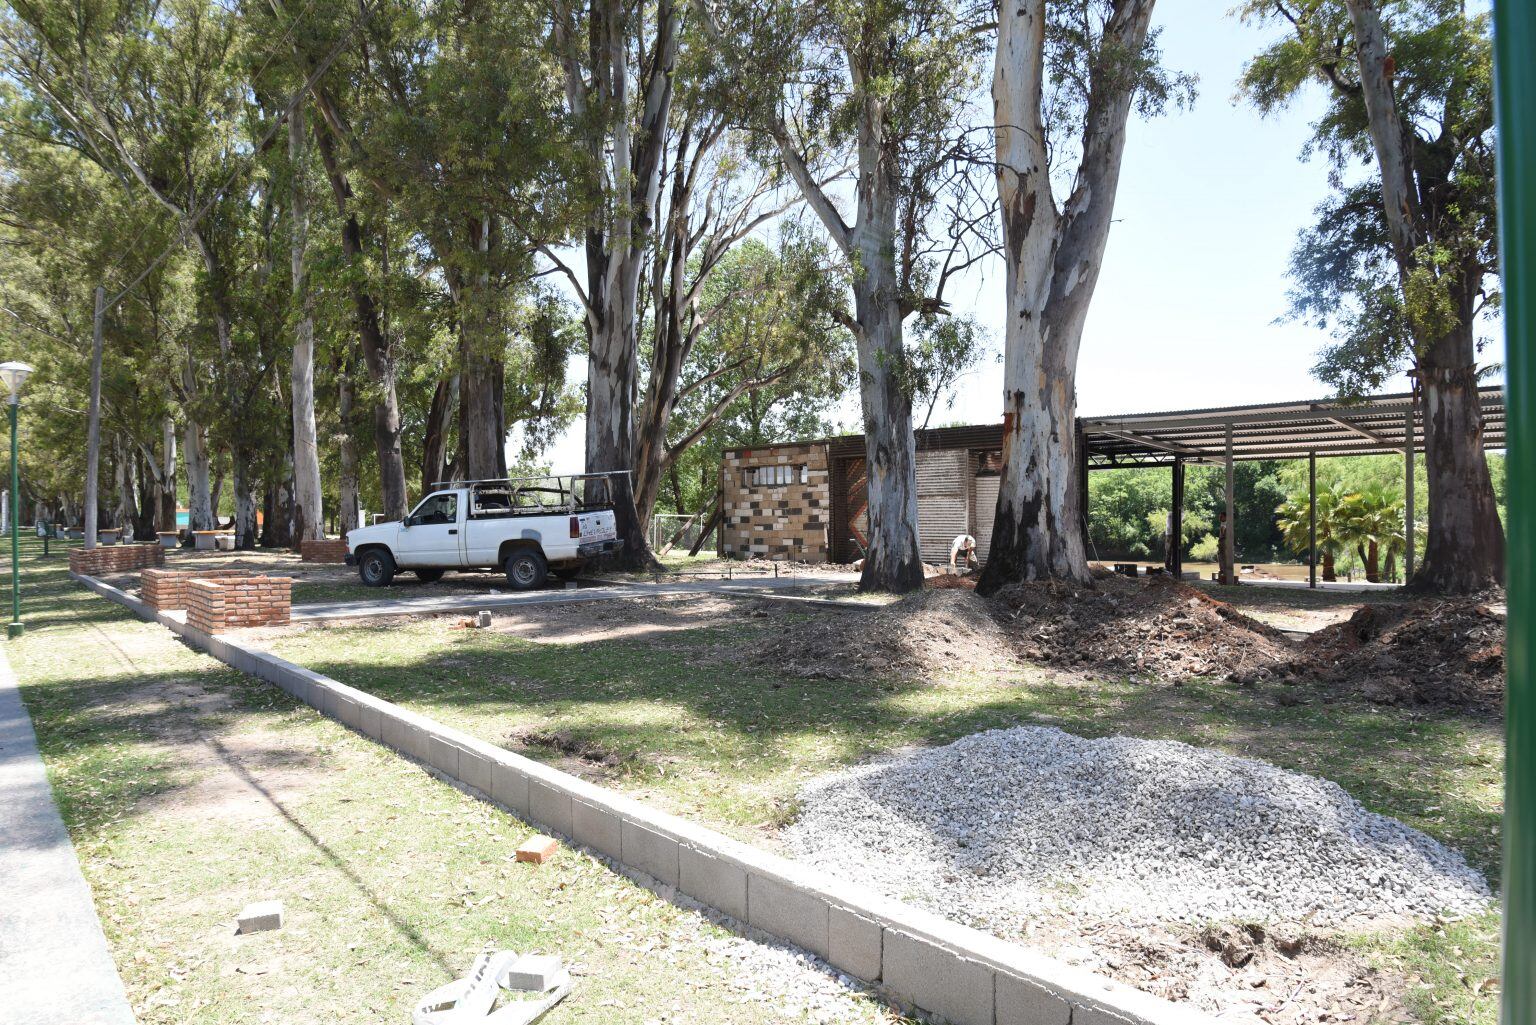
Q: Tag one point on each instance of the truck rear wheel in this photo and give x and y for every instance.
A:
(376, 568)
(525, 569)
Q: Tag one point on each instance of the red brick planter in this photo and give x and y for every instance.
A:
(163, 589)
(115, 559)
(233, 602)
(332, 549)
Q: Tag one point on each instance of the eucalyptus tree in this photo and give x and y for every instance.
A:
(115, 81)
(735, 321)
(870, 106)
(1402, 261)
(1066, 79)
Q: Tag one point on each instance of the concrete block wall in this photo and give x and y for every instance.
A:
(102, 561)
(784, 521)
(331, 549)
(930, 966)
(162, 589)
(218, 604)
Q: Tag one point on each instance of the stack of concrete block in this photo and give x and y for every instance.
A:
(100, 561)
(163, 589)
(214, 605)
(331, 549)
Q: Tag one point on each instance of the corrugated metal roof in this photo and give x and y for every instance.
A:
(1277, 430)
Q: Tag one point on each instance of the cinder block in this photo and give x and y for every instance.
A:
(714, 881)
(787, 912)
(370, 721)
(534, 973)
(597, 827)
(509, 788)
(263, 916)
(442, 754)
(651, 852)
(345, 710)
(475, 770)
(549, 807)
(397, 732)
(853, 943)
(1022, 1001)
(936, 980)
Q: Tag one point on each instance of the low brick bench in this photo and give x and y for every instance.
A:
(115, 559)
(230, 603)
(331, 549)
(163, 589)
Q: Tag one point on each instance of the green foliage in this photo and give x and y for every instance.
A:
(1346, 276)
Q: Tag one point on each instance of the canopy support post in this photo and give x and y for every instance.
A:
(1312, 518)
(1229, 536)
(1408, 447)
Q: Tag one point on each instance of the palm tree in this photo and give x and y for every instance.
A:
(1295, 519)
(1371, 520)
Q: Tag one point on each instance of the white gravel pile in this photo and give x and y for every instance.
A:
(1002, 826)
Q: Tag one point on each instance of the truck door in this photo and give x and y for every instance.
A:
(435, 533)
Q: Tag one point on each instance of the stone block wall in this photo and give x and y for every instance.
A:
(100, 561)
(163, 589)
(778, 521)
(214, 605)
(332, 549)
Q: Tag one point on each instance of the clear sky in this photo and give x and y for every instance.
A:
(1194, 277)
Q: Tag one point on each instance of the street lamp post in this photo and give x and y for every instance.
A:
(14, 375)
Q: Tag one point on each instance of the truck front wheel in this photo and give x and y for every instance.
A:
(525, 569)
(376, 568)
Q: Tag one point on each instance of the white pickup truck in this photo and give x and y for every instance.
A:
(525, 527)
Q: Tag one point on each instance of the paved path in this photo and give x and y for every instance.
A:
(55, 968)
(766, 587)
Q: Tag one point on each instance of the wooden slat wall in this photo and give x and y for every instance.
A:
(943, 501)
(984, 509)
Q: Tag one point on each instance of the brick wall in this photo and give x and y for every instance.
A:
(231, 603)
(100, 561)
(163, 589)
(332, 549)
(782, 521)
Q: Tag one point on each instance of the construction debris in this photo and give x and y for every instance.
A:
(930, 633)
(482, 619)
(1145, 627)
(537, 849)
(526, 987)
(263, 916)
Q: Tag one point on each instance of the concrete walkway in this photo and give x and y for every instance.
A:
(764, 587)
(55, 968)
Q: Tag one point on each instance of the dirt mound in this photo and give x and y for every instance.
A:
(1155, 626)
(1445, 653)
(932, 632)
(951, 581)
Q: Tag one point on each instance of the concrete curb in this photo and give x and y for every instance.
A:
(924, 962)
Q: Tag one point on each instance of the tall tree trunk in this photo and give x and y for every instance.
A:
(245, 497)
(481, 344)
(370, 333)
(1464, 551)
(893, 561)
(202, 502)
(309, 513)
(1051, 261)
(127, 503)
(168, 497)
(434, 449)
(348, 496)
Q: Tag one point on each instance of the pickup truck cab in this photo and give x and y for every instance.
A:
(524, 527)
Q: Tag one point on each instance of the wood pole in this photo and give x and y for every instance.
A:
(1408, 448)
(1229, 545)
(1312, 517)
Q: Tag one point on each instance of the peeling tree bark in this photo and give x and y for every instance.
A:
(308, 508)
(1464, 551)
(1052, 260)
(347, 518)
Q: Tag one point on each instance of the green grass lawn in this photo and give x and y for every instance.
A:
(682, 720)
(190, 790)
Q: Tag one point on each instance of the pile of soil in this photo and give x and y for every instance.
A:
(951, 581)
(1447, 653)
(1155, 627)
(934, 632)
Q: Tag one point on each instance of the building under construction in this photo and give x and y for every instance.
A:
(807, 500)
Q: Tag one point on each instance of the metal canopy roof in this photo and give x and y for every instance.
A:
(1284, 430)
